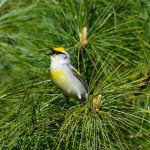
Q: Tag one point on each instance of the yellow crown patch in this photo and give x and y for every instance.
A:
(59, 49)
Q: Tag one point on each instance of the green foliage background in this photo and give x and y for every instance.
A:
(115, 63)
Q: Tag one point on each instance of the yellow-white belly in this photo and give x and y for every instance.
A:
(59, 78)
(68, 83)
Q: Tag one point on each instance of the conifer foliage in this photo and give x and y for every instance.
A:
(109, 44)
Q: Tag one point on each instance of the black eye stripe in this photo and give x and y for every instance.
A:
(55, 52)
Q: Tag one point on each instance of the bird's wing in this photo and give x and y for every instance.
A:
(77, 74)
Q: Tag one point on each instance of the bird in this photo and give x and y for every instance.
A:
(66, 78)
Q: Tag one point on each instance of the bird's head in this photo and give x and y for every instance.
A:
(60, 55)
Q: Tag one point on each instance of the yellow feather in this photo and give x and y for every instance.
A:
(59, 49)
(77, 72)
(57, 74)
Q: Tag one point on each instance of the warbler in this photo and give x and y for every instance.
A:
(65, 76)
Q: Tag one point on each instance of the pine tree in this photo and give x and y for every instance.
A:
(109, 44)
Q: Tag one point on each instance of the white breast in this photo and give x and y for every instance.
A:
(68, 83)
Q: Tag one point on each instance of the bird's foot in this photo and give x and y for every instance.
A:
(66, 106)
(83, 103)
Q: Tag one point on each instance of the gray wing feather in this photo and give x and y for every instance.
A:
(79, 78)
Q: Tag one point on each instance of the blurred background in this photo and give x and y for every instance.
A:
(115, 62)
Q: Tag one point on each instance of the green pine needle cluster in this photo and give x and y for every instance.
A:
(115, 63)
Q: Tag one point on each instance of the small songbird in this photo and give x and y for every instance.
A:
(65, 76)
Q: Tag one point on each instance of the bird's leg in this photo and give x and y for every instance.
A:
(81, 101)
(67, 99)
(66, 105)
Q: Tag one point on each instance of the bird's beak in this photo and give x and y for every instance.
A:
(51, 52)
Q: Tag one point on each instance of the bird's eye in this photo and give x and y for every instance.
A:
(54, 53)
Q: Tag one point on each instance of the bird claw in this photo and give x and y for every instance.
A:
(66, 106)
